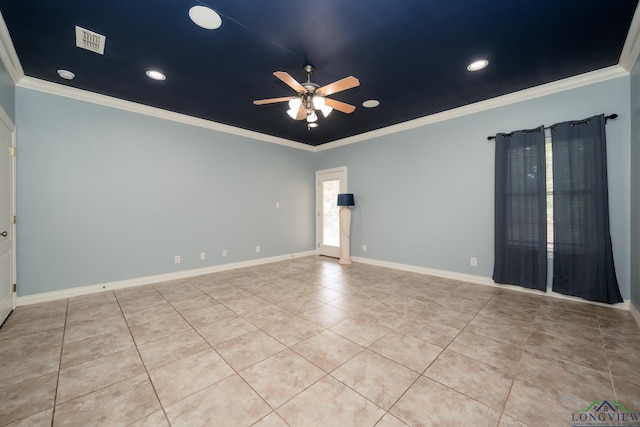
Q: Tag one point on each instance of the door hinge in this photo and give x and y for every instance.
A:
(12, 151)
(14, 287)
(14, 219)
(318, 245)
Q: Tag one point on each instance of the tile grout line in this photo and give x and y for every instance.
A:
(93, 391)
(388, 411)
(64, 331)
(606, 357)
(203, 338)
(143, 364)
(513, 380)
(287, 347)
(326, 374)
(421, 374)
(219, 355)
(447, 347)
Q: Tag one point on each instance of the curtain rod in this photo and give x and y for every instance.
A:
(611, 116)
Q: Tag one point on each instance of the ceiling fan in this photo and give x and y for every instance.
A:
(310, 97)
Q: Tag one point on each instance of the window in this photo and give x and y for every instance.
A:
(582, 251)
(567, 207)
(520, 209)
(549, 186)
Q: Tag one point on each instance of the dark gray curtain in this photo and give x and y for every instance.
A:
(583, 258)
(520, 210)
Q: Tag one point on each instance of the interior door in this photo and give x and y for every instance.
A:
(6, 221)
(330, 182)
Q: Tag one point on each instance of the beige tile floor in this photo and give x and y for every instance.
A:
(308, 342)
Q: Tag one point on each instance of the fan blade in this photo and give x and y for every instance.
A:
(272, 100)
(339, 86)
(302, 113)
(340, 106)
(290, 81)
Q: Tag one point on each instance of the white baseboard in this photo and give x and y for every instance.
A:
(138, 281)
(486, 281)
(635, 312)
(128, 283)
(428, 271)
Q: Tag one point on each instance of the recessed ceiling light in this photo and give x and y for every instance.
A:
(156, 75)
(204, 17)
(66, 74)
(477, 65)
(371, 103)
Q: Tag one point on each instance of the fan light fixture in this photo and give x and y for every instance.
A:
(295, 104)
(318, 102)
(310, 97)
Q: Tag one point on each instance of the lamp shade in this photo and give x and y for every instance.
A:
(312, 117)
(346, 199)
(318, 102)
(295, 104)
(292, 113)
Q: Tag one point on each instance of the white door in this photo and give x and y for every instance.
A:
(330, 183)
(6, 220)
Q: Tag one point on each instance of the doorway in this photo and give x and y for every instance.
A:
(7, 226)
(329, 183)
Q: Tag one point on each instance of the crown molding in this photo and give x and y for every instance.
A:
(511, 98)
(631, 50)
(8, 54)
(109, 101)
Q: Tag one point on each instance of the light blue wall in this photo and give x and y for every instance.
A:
(424, 196)
(635, 185)
(105, 195)
(7, 93)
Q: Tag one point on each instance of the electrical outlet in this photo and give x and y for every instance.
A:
(364, 248)
(257, 248)
(474, 261)
(203, 255)
(224, 252)
(177, 259)
(277, 205)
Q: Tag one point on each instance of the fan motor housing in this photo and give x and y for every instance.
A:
(310, 87)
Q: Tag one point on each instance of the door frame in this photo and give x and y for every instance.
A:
(342, 170)
(6, 120)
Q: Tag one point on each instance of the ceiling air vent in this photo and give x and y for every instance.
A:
(89, 40)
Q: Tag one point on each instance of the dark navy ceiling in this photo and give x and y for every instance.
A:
(411, 55)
